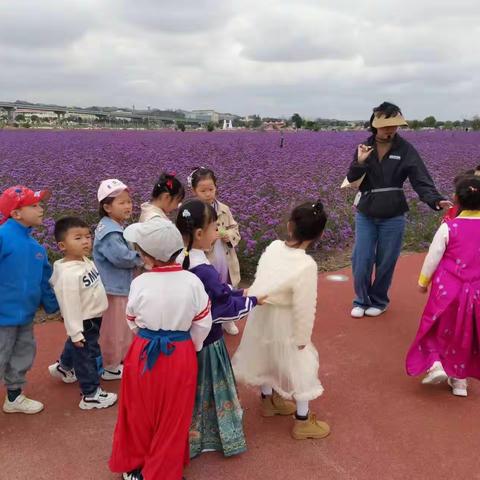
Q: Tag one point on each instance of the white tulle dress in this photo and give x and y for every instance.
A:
(268, 353)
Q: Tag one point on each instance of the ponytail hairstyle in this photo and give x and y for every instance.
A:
(198, 174)
(308, 221)
(468, 192)
(169, 183)
(193, 214)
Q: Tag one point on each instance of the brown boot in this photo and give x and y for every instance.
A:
(310, 428)
(276, 405)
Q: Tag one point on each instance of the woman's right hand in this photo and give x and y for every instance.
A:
(363, 152)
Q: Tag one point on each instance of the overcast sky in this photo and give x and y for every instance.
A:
(334, 58)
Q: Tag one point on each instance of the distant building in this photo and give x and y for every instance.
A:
(203, 116)
(87, 117)
(40, 114)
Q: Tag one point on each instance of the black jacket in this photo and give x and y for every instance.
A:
(401, 162)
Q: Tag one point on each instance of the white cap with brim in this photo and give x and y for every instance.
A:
(158, 237)
(110, 188)
(381, 121)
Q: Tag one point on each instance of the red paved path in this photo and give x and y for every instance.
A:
(384, 424)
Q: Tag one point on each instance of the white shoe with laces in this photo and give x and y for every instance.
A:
(230, 328)
(459, 386)
(357, 312)
(99, 399)
(435, 374)
(66, 376)
(22, 404)
(114, 374)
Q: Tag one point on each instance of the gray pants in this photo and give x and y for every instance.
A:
(17, 351)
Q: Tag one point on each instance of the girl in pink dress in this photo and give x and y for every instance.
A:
(447, 345)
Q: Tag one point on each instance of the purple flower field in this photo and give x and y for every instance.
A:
(258, 180)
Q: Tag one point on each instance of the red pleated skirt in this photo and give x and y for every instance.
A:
(155, 412)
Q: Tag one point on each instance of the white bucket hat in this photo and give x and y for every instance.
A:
(158, 237)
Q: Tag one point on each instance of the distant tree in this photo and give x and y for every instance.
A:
(297, 120)
(448, 125)
(35, 118)
(457, 123)
(476, 122)
(20, 117)
(415, 124)
(430, 121)
(439, 124)
(181, 126)
(257, 121)
(210, 126)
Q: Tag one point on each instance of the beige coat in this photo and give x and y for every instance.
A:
(227, 222)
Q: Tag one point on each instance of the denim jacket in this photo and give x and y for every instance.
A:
(113, 257)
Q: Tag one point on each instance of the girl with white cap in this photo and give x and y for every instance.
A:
(116, 262)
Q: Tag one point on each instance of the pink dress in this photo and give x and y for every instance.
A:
(449, 330)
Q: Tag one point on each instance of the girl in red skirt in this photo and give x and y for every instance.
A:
(170, 311)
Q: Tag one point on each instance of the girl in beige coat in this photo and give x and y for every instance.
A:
(222, 255)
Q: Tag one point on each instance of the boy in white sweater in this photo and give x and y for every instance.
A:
(82, 299)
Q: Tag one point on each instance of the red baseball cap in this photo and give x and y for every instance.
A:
(18, 197)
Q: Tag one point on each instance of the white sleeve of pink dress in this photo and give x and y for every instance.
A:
(435, 254)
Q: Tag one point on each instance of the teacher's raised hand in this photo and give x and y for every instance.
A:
(363, 152)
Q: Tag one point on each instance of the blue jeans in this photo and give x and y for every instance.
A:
(378, 242)
(86, 360)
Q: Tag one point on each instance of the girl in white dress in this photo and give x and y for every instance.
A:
(276, 352)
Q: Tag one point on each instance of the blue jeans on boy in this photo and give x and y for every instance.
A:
(378, 242)
(86, 360)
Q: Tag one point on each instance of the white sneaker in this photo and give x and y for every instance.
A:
(230, 328)
(357, 312)
(66, 376)
(22, 404)
(374, 311)
(99, 399)
(435, 374)
(459, 386)
(115, 374)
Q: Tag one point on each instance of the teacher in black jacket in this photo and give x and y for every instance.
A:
(384, 162)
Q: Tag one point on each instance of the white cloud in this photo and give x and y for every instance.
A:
(318, 57)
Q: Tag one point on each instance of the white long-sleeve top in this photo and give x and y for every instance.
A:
(169, 298)
(80, 294)
(437, 249)
(289, 277)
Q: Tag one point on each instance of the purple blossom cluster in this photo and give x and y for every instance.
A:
(260, 181)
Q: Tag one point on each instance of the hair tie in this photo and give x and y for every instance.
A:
(169, 183)
(473, 189)
(186, 214)
(190, 177)
(186, 253)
